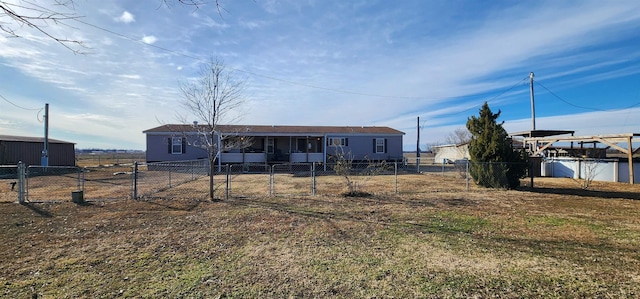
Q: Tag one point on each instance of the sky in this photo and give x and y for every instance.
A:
(343, 63)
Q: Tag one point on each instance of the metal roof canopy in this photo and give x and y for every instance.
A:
(610, 140)
(542, 133)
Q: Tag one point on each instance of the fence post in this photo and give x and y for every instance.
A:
(169, 167)
(135, 180)
(466, 174)
(531, 171)
(84, 171)
(21, 182)
(271, 179)
(313, 178)
(395, 174)
(226, 188)
(79, 179)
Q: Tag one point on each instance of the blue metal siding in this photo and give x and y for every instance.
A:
(157, 149)
(362, 148)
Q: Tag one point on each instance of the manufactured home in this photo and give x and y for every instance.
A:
(274, 144)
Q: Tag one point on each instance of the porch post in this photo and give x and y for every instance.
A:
(265, 145)
(219, 141)
(324, 152)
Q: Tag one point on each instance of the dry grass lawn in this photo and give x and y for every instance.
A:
(432, 240)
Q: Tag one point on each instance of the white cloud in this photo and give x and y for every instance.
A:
(126, 17)
(130, 76)
(396, 52)
(87, 116)
(149, 39)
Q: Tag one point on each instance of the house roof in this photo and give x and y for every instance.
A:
(30, 139)
(263, 129)
(451, 145)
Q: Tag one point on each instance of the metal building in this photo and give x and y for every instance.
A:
(29, 150)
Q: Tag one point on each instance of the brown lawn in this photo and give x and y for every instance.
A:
(433, 239)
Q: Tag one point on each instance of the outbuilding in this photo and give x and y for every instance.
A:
(14, 149)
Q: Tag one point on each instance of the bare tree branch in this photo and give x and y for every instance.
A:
(38, 17)
(25, 13)
(356, 174)
(211, 99)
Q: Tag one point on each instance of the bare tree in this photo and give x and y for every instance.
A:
(356, 174)
(213, 98)
(14, 16)
(590, 170)
(459, 136)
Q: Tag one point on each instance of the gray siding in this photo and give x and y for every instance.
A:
(362, 147)
(158, 150)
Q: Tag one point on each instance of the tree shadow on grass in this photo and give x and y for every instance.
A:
(415, 202)
(583, 253)
(586, 193)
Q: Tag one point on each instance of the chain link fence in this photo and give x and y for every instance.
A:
(498, 174)
(9, 186)
(191, 180)
(53, 183)
(169, 180)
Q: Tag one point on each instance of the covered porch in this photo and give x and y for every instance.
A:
(277, 149)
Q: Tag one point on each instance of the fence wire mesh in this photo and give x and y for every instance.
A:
(170, 179)
(292, 179)
(191, 180)
(9, 183)
(103, 183)
(497, 174)
(245, 180)
(52, 183)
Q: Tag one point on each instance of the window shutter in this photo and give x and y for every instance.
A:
(169, 145)
(374, 145)
(385, 145)
(346, 141)
(184, 145)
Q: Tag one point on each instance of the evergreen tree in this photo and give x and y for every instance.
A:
(495, 163)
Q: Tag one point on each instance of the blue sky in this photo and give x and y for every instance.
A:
(331, 63)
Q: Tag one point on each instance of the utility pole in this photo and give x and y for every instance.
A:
(44, 161)
(533, 106)
(418, 147)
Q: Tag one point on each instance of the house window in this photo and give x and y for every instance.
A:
(177, 145)
(380, 145)
(338, 141)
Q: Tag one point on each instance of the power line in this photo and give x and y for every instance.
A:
(16, 105)
(583, 107)
(495, 97)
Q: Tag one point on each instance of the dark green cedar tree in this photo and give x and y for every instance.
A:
(494, 161)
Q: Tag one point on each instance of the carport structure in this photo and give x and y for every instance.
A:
(540, 140)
